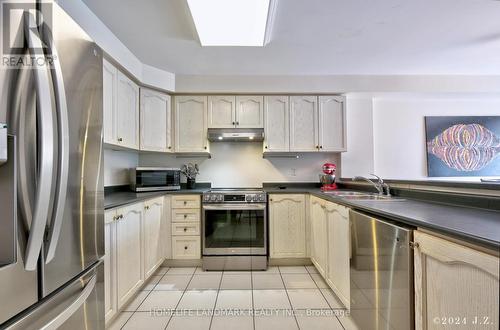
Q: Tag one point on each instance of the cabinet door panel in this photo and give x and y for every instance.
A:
(276, 123)
(221, 111)
(153, 218)
(338, 247)
(249, 112)
(186, 247)
(109, 81)
(287, 226)
(303, 123)
(127, 112)
(453, 280)
(129, 257)
(332, 134)
(318, 235)
(155, 121)
(191, 124)
(110, 303)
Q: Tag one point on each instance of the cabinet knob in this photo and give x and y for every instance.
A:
(270, 199)
(205, 147)
(317, 147)
(237, 123)
(185, 216)
(321, 147)
(185, 229)
(115, 218)
(120, 139)
(234, 123)
(185, 248)
(265, 147)
(185, 202)
(169, 147)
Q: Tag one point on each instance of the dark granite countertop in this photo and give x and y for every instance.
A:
(479, 226)
(120, 198)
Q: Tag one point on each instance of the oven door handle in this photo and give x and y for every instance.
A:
(235, 207)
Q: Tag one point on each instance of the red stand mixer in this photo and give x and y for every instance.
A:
(328, 178)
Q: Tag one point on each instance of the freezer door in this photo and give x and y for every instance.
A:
(75, 235)
(18, 287)
(78, 305)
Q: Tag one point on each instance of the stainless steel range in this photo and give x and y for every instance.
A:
(234, 229)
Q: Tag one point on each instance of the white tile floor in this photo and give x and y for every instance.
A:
(189, 298)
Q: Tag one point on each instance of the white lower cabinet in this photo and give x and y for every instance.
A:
(186, 239)
(153, 222)
(456, 286)
(287, 226)
(338, 251)
(186, 247)
(318, 234)
(110, 303)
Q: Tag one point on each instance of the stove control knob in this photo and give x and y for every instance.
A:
(262, 198)
(212, 198)
(248, 198)
(220, 198)
(255, 198)
(206, 198)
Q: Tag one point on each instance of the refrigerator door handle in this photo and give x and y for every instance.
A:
(46, 151)
(63, 144)
(73, 307)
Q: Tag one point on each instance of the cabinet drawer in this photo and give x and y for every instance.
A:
(186, 247)
(186, 202)
(183, 215)
(185, 228)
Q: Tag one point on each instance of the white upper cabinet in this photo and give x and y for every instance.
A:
(191, 124)
(221, 111)
(156, 121)
(304, 123)
(276, 124)
(249, 112)
(109, 80)
(332, 123)
(127, 112)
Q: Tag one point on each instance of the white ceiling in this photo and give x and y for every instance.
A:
(320, 37)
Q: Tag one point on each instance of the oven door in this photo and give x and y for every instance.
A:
(236, 229)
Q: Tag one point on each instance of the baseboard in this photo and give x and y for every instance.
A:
(290, 262)
(182, 263)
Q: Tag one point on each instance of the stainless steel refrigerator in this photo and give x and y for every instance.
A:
(51, 188)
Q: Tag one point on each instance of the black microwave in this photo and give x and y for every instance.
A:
(155, 179)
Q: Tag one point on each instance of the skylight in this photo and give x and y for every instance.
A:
(230, 22)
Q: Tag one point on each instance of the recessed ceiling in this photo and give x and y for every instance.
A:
(320, 37)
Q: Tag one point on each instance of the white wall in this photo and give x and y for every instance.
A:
(241, 165)
(117, 165)
(397, 131)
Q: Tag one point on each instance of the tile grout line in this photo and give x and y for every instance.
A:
(149, 292)
(253, 304)
(216, 298)
(289, 300)
(183, 292)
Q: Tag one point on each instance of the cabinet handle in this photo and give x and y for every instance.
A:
(205, 147)
(115, 218)
(237, 123)
(185, 216)
(169, 147)
(185, 248)
(271, 200)
(185, 202)
(265, 147)
(317, 147)
(185, 229)
(414, 245)
(234, 123)
(120, 139)
(321, 147)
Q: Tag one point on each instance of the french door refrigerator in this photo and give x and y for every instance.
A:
(51, 188)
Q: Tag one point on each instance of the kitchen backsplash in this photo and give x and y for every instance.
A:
(231, 165)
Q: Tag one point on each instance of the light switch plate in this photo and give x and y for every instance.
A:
(3, 143)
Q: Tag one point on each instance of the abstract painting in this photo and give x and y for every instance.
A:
(463, 146)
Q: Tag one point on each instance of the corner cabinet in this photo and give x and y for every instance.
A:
(156, 121)
(120, 107)
(455, 285)
(338, 251)
(191, 124)
(287, 226)
(276, 124)
(319, 234)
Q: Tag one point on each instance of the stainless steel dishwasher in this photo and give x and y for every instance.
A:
(381, 273)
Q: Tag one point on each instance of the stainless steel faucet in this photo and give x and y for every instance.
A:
(380, 185)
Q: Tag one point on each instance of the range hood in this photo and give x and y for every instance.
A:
(235, 134)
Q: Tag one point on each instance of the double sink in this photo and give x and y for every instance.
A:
(361, 196)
